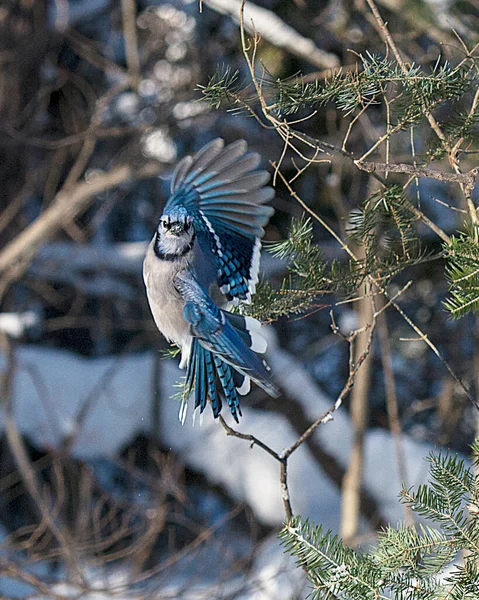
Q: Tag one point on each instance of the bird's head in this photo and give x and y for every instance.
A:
(175, 233)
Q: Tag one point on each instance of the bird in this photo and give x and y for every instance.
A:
(203, 260)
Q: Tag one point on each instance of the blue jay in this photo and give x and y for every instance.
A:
(204, 256)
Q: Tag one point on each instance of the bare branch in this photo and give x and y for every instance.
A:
(68, 204)
(29, 478)
(276, 31)
(465, 178)
(254, 441)
(128, 10)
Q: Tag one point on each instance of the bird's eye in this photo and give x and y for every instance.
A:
(165, 224)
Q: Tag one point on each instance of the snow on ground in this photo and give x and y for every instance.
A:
(273, 575)
(52, 386)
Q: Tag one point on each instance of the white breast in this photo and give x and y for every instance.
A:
(166, 304)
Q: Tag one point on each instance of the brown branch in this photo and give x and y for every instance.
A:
(292, 409)
(19, 452)
(465, 178)
(10, 569)
(67, 205)
(90, 139)
(254, 441)
(128, 11)
(88, 50)
(18, 137)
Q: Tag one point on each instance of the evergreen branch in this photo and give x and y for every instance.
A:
(222, 85)
(418, 91)
(330, 564)
(408, 563)
(423, 552)
(309, 276)
(462, 272)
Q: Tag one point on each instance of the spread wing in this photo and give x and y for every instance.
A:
(225, 193)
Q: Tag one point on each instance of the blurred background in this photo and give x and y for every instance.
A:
(102, 492)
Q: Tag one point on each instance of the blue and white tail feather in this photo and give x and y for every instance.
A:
(222, 360)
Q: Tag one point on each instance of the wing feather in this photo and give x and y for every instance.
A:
(225, 194)
(196, 163)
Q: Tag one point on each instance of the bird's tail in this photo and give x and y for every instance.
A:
(217, 378)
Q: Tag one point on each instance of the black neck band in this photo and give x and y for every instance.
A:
(172, 256)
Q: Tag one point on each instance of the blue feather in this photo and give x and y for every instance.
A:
(212, 391)
(221, 344)
(225, 376)
(203, 369)
(225, 195)
(201, 393)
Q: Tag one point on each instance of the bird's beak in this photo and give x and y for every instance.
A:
(176, 228)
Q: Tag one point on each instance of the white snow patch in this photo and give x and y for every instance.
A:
(16, 324)
(51, 387)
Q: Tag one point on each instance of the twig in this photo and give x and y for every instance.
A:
(435, 350)
(128, 13)
(465, 178)
(90, 138)
(20, 455)
(254, 441)
(283, 476)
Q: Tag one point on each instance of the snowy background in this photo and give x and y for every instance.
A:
(146, 507)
